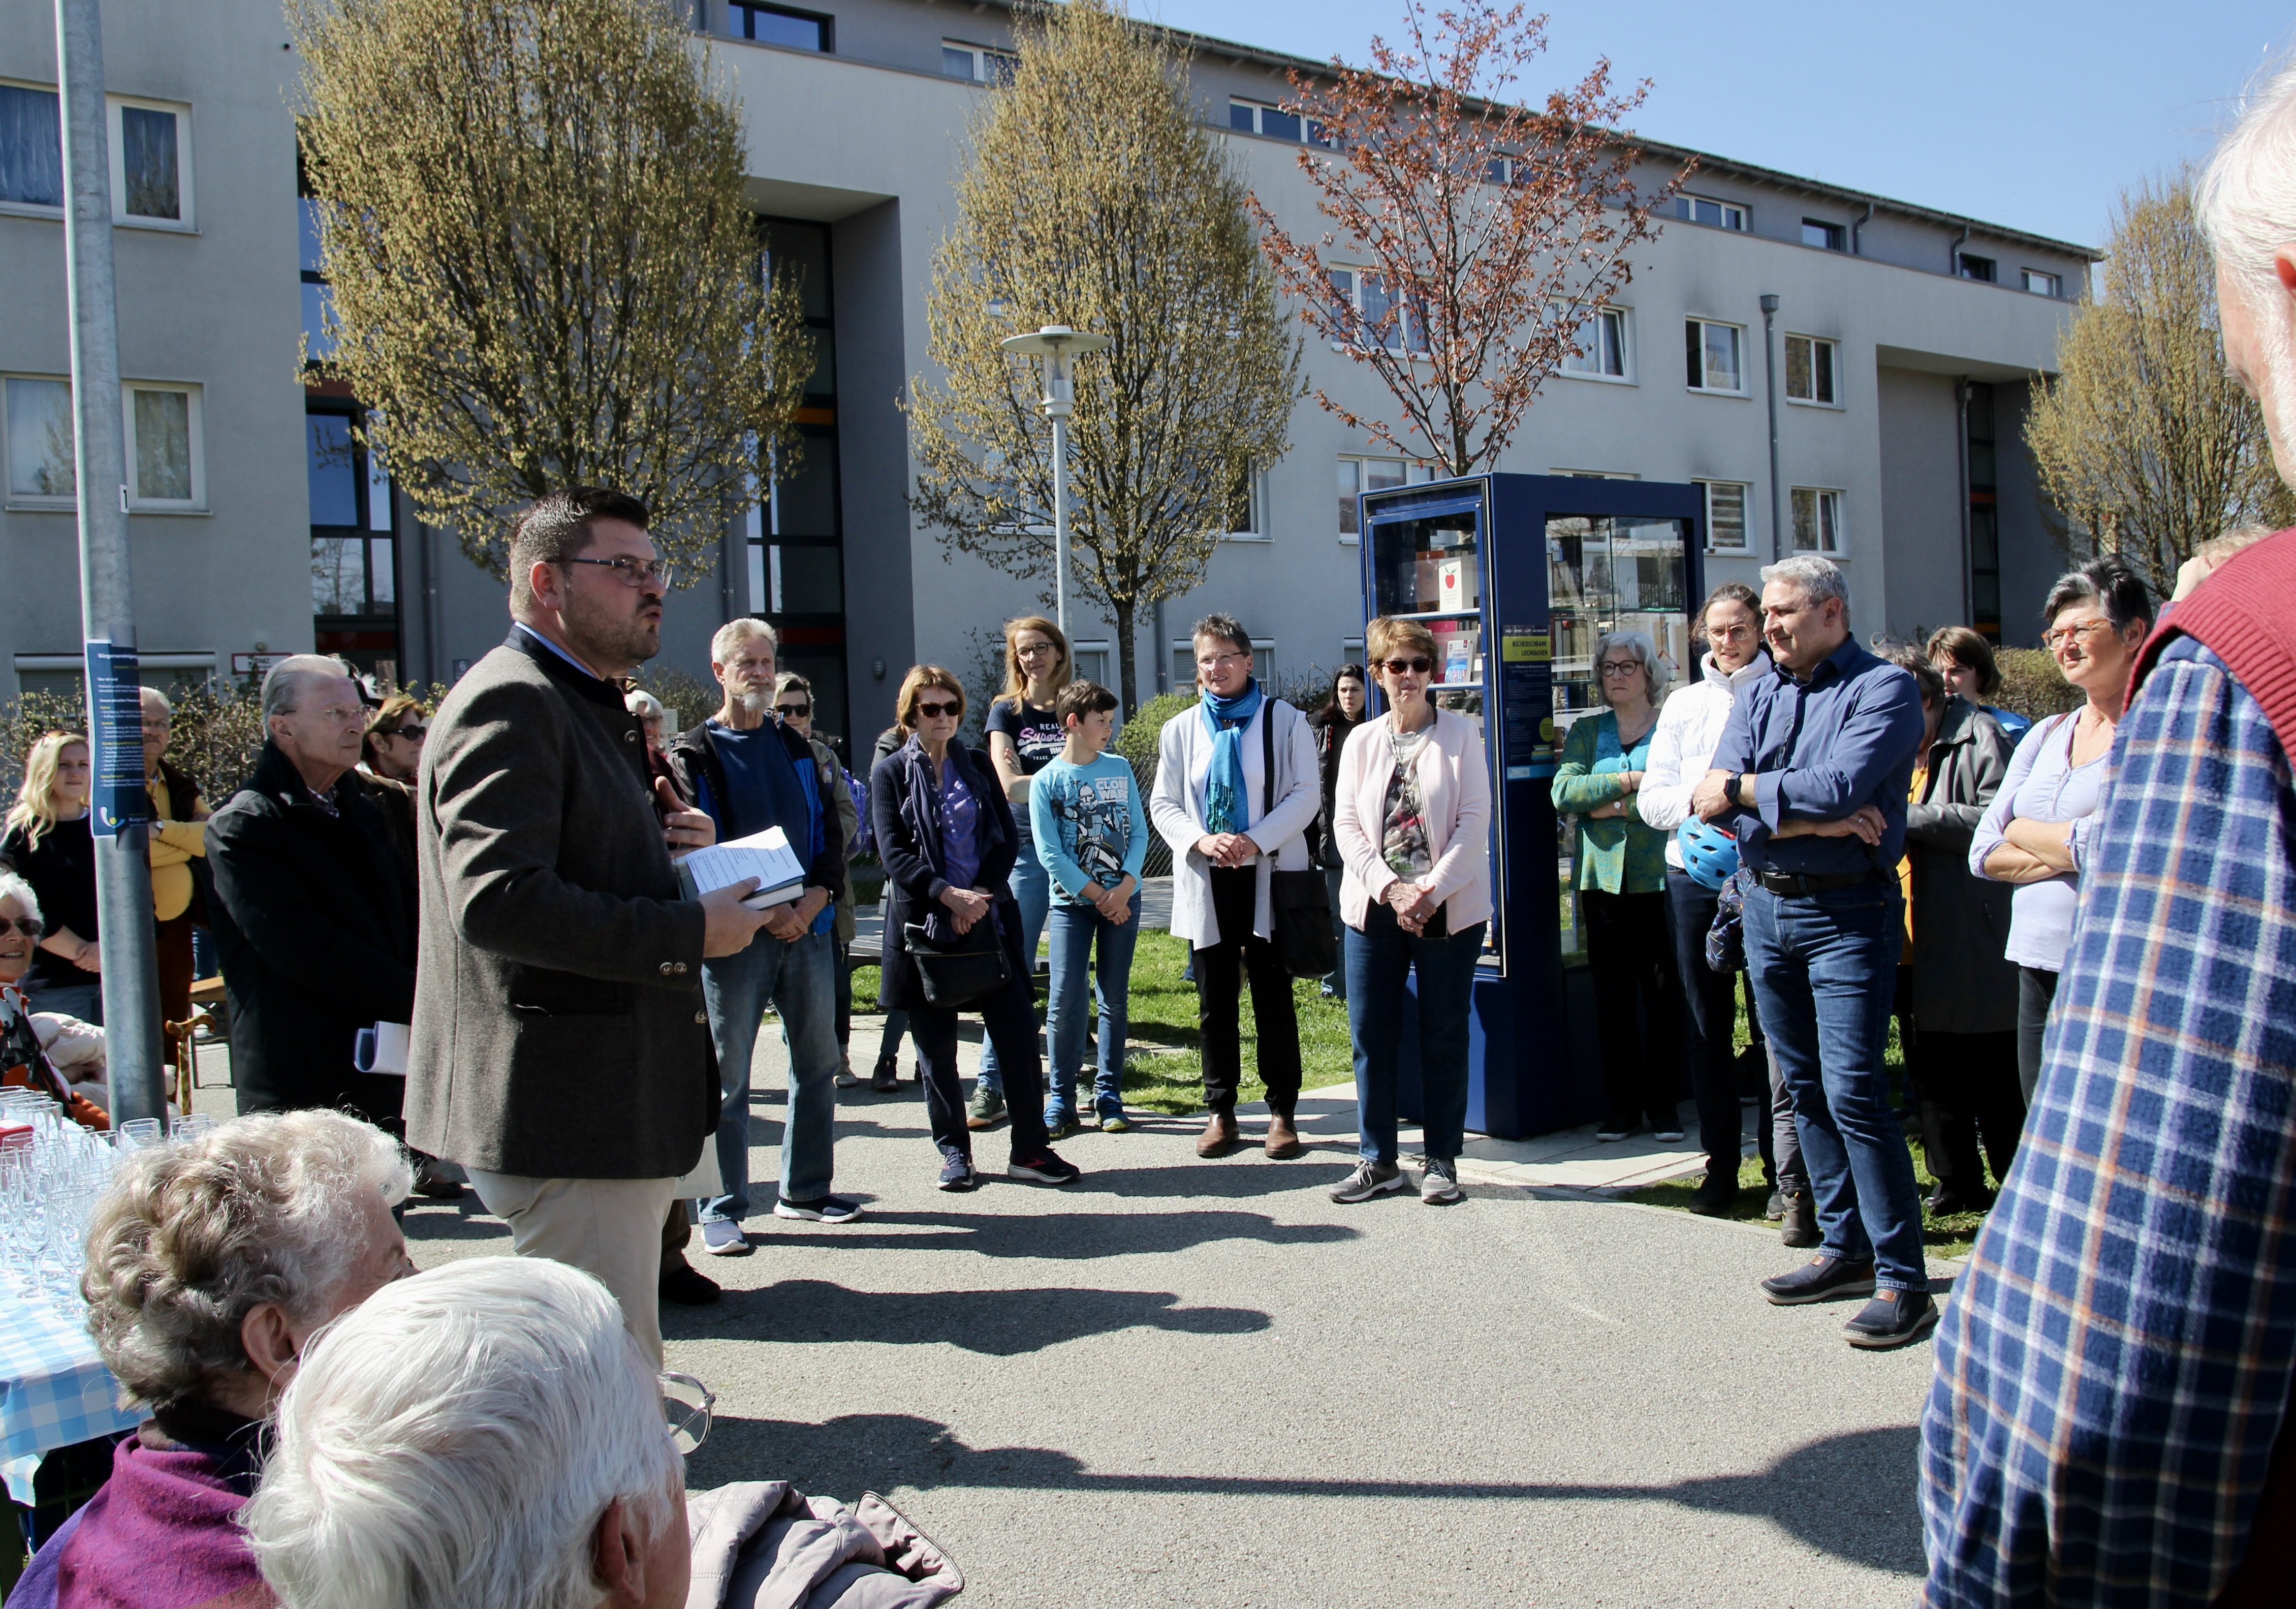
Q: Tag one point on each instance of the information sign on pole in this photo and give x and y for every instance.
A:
(116, 733)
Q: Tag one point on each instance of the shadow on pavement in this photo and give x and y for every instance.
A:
(1066, 1235)
(1849, 1495)
(1000, 1324)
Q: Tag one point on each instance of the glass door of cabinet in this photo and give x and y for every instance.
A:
(1608, 574)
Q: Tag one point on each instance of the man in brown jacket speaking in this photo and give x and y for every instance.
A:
(560, 1049)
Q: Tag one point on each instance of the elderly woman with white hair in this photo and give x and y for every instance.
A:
(49, 1051)
(210, 1264)
(1621, 885)
(487, 1434)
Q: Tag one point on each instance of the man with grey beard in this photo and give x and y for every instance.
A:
(2109, 1420)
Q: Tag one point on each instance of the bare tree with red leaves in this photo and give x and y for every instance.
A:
(1481, 235)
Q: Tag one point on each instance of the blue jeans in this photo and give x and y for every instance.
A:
(1377, 960)
(1074, 928)
(1825, 969)
(1032, 890)
(797, 979)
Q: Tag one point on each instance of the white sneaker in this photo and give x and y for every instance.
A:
(1668, 1136)
(1439, 1183)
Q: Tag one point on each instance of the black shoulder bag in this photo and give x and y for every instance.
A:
(1305, 944)
(956, 969)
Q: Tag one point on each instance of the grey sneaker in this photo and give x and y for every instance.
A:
(845, 1079)
(1370, 1179)
(986, 1109)
(1440, 1182)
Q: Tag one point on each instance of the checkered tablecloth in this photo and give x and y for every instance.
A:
(54, 1391)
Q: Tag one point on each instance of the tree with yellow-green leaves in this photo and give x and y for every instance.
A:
(1095, 200)
(542, 269)
(2146, 445)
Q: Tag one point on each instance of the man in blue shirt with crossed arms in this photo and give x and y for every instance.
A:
(1811, 774)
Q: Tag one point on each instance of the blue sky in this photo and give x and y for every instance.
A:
(2033, 114)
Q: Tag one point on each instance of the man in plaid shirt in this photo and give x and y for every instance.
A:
(2114, 1368)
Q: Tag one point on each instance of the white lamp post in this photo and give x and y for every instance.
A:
(1055, 343)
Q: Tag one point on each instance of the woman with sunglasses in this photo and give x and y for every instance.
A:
(391, 758)
(1621, 885)
(945, 836)
(2037, 828)
(1411, 815)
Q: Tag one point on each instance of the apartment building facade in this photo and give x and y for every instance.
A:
(1904, 345)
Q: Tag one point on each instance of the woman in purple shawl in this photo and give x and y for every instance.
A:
(209, 1263)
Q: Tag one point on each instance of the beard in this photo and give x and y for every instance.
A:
(604, 634)
(755, 703)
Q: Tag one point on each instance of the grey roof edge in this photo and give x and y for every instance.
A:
(1708, 161)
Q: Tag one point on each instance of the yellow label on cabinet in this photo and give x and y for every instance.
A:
(1526, 648)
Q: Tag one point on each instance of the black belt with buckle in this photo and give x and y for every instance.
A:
(1797, 885)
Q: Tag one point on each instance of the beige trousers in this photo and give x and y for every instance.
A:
(609, 1227)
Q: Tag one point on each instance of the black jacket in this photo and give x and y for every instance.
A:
(903, 809)
(693, 760)
(1331, 730)
(313, 921)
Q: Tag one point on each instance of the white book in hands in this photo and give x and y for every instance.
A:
(765, 856)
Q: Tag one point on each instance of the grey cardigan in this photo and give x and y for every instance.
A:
(559, 1031)
(1963, 983)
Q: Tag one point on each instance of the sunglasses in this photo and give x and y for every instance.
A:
(1415, 665)
(412, 735)
(793, 711)
(932, 711)
(30, 927)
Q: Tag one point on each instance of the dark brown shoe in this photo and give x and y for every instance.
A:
(1283, 1139)
(1220, 1135)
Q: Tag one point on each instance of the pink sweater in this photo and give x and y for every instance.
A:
(1454, 780)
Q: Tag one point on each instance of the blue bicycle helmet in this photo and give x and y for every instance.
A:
(1708, 853)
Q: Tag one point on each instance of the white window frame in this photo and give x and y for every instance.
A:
(1738, 210)
(1416, 471)
(2052, 285)
(32, 501)
(1834, 369)
(31, 209)
(1256, 496)
(1596, 474)
(1745, 490)
(1826, 497)
(197, 502)
(1310, 131)
(982, 55)
(1354, 296)
(1626, 339)
(1351, 651)
(188, 223)
(1744, 387)
(1103, 647)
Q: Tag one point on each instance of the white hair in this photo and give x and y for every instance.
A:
(151, 696)
(732, 632)
(2246, 207)
(1819, 579)
(282, 684)
(452, 1442)
(13, 887)
(189, 1238)
(1638, 643)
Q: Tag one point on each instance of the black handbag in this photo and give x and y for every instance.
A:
(955, 969)
(1306, 945)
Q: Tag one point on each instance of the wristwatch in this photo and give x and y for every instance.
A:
(1730, 788)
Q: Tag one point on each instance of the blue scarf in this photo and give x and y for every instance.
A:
(1227, 797)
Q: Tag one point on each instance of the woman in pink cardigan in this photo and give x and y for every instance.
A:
(1411, 815)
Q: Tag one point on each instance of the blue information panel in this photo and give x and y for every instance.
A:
(115, 704)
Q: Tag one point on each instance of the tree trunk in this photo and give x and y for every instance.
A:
(1128, 693)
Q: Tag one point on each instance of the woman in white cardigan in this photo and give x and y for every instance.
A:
(1229, 825)
(1411, 817)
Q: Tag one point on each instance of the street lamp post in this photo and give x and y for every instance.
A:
(1770, 381)
(1055, 344)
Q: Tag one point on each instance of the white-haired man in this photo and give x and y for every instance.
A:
(1811, 774)
(2109, 1419)
(750, 771)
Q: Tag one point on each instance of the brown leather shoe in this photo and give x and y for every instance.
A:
(1220, 1135)
(1283, 1139)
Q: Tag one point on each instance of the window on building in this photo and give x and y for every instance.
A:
(1705, 209)
(163, 429)
(151, 164)
(1816, 520)
(1976, 267)
(354, 562)
(1984, 512)
(41, 470)
(1258, 117)
(1725, 515)
(318, 301)
(1092, 662)
(781, 25)
(1246, 504)
(1715, 353)
(1365, 308)
(1601, 353)
(1825, 236)
(31, 148)
(1362, 474)
(1811, 366)
(1351, 651)
(980, 63)
(2043, 284)
(1595, 474)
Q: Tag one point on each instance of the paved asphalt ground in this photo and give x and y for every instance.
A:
(1180, 1382)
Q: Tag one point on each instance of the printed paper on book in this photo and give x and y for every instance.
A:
(765, 856)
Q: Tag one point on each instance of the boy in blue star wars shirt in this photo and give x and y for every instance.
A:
(1092, 835)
